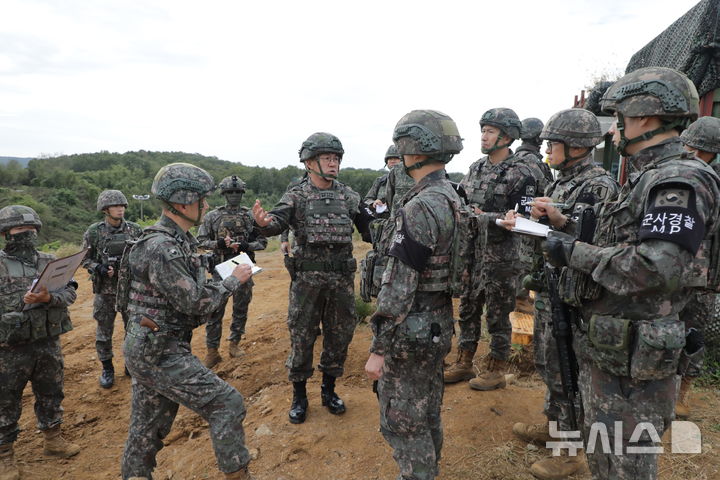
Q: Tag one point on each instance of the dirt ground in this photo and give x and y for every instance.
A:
(479, 444)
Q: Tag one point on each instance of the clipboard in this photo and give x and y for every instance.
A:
(59, 272)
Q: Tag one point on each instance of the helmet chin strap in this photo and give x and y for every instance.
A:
(195, 221)
(322, 174)
(625, 142)
(488, 151)
(569, 158)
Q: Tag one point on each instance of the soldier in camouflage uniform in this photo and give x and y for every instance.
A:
(650, 249)
(30, 325)
(571, 135)
(321, 212)
(495, 184)
(164, 286)
(529, 149)
(398, 184)
(702, 138)
(413, 325)
(529, 152)
(227, 231)
(375, 197)
(106, 242)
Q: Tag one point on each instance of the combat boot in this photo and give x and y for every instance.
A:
(212, 357)
(8, 467)
(235, 350)
(533, 432)
(492, 377)
(330, 399)
(556, 468)
(107, 377)
(462, 370)
(299, 407)
(57, 446)
(242, 474)
(682, 407)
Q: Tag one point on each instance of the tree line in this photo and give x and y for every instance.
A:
(63, 190)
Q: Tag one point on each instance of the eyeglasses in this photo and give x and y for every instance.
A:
(550, 143)
(328, 159)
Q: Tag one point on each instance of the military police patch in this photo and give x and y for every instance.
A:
(409, 251)
(672, 216)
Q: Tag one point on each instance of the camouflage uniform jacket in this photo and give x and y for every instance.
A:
(16, 277)
(241, 228)
(377, 190)
(398, 184)
(495, 189)
(530, 153)
(427, 222)
(168, 282)
(290, 212)
(97, 238)
(642, 257)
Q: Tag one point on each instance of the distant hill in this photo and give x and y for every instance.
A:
(21, 160)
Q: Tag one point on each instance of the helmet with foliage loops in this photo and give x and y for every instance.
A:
(182, 183)
(109, 198)
(18, 216)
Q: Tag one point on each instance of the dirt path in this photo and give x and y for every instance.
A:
(479, 444)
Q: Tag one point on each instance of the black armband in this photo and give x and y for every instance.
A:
(672, 216)
(409, 251)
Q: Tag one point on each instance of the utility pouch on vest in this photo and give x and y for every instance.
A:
(38, 323)
(576, 287)
(657, 349)
(58, 322)
(610, 340)
(14, 328)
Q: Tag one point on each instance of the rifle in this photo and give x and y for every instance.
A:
(562, 315)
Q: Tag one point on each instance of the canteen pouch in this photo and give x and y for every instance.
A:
(657, 349)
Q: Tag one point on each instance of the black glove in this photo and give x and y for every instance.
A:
(558, 248)
(102, 269)
(243, 246)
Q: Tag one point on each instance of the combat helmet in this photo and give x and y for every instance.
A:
(320, 142)
(391, 153)
(231, 184)
(703, 134)
(427, 132)
(531, 128)
(652, 92)
(574, 128)
(18, 216)
(505, 119)
(108, 198)
(182, 183)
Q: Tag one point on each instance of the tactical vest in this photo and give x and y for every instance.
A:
(327, 218)
(485, 190)
(232, 224)
(620, 220)
(22, 326)
(140, 299)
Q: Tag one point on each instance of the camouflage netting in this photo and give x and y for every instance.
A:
(689, 45)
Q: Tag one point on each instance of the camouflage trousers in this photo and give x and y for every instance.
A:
(499, 297)
(547, 363)
(104, 314)
(40, 363)
(310, 305)
(166, 374)
(241, 302)
(608, 399)
(410, 394)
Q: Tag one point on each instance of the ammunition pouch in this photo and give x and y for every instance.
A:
(576, 287)
(34, 324)
(372, 268)
(642, 350)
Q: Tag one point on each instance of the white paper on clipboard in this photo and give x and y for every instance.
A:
(226, 268)
(59, 272)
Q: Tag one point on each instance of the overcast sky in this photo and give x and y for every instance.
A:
(249, 81)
